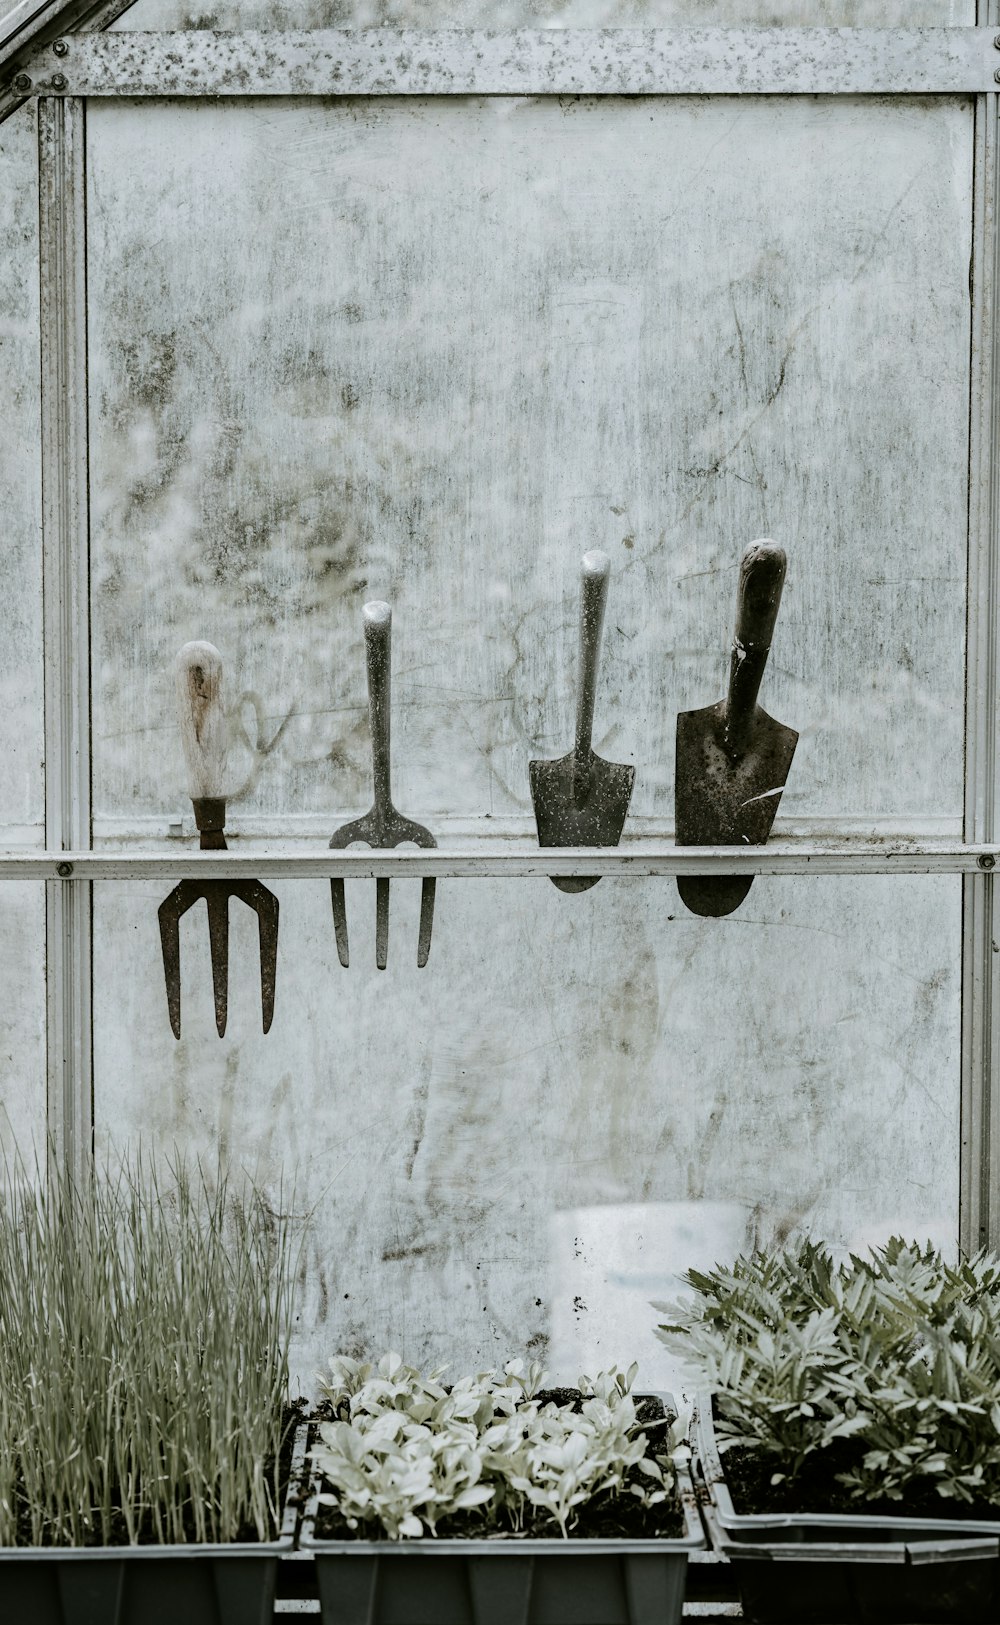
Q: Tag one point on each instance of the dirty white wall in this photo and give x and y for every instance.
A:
(432, 351)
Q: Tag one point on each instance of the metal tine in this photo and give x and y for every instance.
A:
(426, 921)
(266, 907)
(169, 914)
(217, 902)
(339, 896)
(381, 923)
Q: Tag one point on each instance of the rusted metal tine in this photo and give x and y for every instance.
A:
(383, 826)
(203, 731)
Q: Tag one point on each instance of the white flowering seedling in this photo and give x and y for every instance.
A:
(406, 1452)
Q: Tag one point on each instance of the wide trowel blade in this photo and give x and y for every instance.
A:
(724, 802)
(595, 821)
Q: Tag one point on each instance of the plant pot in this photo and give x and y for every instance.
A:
(814, 1568)
(150, 1585)
(503, 1581)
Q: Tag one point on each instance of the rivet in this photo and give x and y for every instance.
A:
(22, 82)
(58, 81)
(997, 76)
(64, 870)
(61, 47)
(996, 41)
(986, 860)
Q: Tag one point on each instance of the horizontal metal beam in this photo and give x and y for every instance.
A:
(509, 861)
(528, 62)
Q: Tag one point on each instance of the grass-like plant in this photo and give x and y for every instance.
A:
(407, 1455)
(898, 1353)
(144, 1325)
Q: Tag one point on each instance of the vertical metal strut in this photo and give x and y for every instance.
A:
(66, 595)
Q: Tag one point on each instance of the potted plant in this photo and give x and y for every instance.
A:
(494, 1500)
(850, 1437)
(145, 1431)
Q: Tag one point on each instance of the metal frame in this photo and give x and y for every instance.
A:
(62, 212)
(63, 72)
(527, 62)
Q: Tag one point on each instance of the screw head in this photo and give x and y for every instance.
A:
(986, 860)
(22, 82)
(61, 47)
(64, 870)
(997, 76)
(58, 81)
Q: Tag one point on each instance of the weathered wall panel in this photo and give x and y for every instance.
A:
(798, 1061)
(433, 351)
(22, 801)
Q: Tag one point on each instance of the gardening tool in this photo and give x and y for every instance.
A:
(204, 737)
(582, 800)
(383, 826)
(732, 758)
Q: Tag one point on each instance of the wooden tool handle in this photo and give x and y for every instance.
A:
(204, 734)
(595, 569)
(762, 576)
(378, 649)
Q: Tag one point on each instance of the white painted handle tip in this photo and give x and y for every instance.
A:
(204, 734)
(595, 565)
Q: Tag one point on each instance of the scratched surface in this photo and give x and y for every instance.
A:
(433, 351)
(22, 908)
(798, 1061)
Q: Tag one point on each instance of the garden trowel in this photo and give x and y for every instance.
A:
(732, 758)
(582, 800)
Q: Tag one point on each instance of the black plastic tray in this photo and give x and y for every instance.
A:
(150, 1585)
(824, 1569)
(504, 1582)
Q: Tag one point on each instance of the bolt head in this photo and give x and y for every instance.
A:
(997, 76)
(22, 82)
(61, 47)
(986, 860)
(64, 870)
(58, 81)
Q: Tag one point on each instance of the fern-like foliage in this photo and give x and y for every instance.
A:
(899, 1351)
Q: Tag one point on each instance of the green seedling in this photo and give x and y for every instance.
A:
(899, 1352)
(407, 1452)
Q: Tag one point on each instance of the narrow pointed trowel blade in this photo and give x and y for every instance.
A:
(720, 801)
(598, 821)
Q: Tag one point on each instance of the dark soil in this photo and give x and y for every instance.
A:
(117, 1534)
(607, 1517)
(815, 1489)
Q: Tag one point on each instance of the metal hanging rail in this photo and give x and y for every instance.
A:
(484, 858)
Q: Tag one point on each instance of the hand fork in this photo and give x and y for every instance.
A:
(383, 826)
(203, 733)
